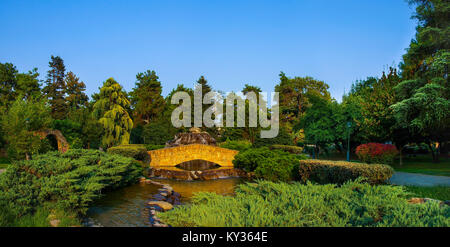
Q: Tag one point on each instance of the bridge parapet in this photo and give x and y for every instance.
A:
(173, 156)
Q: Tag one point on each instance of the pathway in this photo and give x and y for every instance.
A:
(417, 179)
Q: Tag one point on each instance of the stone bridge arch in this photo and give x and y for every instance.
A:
(63, 145)
(169, 157)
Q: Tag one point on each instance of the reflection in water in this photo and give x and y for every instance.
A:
(127, 206)
(197, 165)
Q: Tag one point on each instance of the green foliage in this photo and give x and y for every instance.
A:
(71, 130)
(66, 182)
(268, 204)
(283, 138)
(55, 88)
(274, 165)
(111, 110)
(19, 125)
(135, 151)
(339, 172)
(236, 145)
(289, 149)
(434, 192)
(158, 133)
(295, 94)
(150, 147)
(146, 98)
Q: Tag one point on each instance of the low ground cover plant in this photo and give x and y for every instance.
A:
(268, 204)
(376, 153)
(61, 184)
(328, 171)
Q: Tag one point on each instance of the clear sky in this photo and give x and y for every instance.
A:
(229, 42)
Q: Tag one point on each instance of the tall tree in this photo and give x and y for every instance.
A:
(424, 94)
(55, 88)
(146, 98)
(111, 112)
(22, 120)
(294, 96)
(8, 83)
(28, 84)
(76, 98)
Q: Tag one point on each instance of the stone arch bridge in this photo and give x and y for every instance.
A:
(173, 156)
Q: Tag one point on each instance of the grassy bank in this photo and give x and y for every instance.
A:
(435, 192)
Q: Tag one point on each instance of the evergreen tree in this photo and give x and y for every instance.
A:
(8, 83)
(55, 88)
(111, 112)
(147, 102)
(424, 94)
(76, 98)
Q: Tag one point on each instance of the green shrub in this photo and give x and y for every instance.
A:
(240, 145)
(288, 148)
(283, 138)
(274, 165)
(135, 151)
(268, 204)
(66, 182)
(150, 147)
(327, 171)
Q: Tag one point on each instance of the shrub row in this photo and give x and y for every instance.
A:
(236, 145)
(66, 182)
(288, 148)
(135, 151)
(327, 171)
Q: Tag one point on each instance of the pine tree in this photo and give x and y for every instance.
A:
(111, 112)
(146, 98)
(55, 88)
(76, 98)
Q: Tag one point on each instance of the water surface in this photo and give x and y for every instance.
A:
(127, 206)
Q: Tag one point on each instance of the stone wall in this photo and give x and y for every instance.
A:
(175, 155)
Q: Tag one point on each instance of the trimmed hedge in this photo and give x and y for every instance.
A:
(339, 172)
(236, 145)
(135, 151)
(288, 148)
(150, 147)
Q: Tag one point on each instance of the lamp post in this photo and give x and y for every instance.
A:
(349, 124)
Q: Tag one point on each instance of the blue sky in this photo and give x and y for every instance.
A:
(229, 42)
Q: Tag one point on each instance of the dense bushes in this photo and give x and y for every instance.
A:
(376, 153)
(150, 147)
(327, 171)
(274, 165)
(135, 151)
(236, 145)
(268, 204)
(66, 182)
(288, 148)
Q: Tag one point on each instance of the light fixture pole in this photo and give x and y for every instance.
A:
(349, 124)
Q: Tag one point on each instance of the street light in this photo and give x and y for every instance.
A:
(349, 124)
